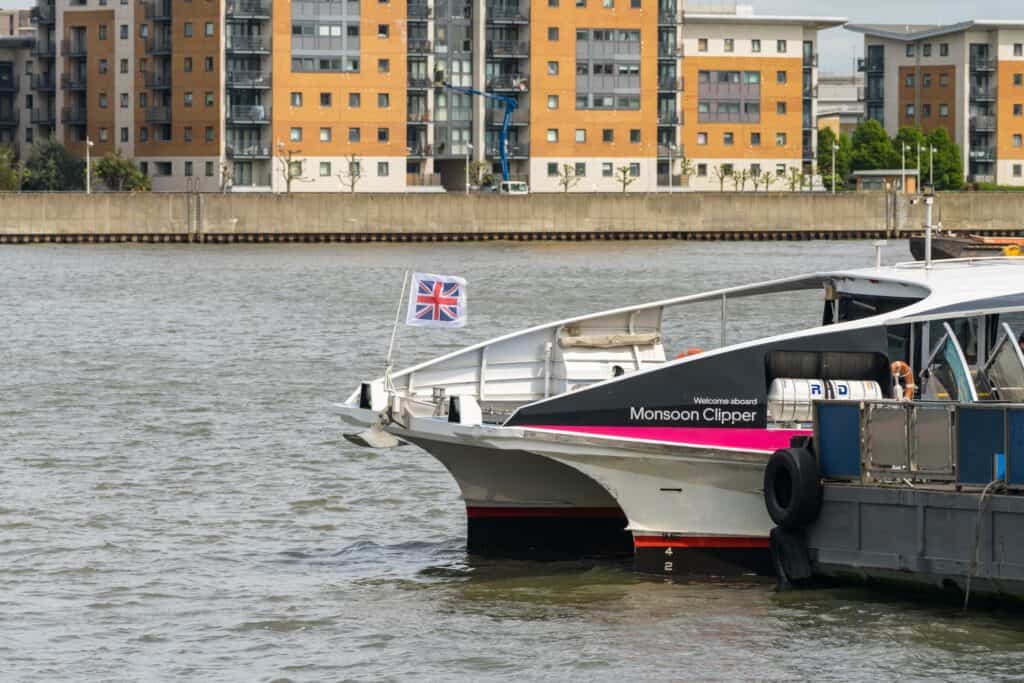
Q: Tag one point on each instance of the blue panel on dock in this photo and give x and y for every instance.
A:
(1015, 447)
(980, 435)
(838, 443)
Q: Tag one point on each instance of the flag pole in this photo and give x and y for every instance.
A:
(394, 332)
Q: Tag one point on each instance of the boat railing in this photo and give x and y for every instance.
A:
(920, 442)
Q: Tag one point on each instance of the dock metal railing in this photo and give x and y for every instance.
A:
(875, 442)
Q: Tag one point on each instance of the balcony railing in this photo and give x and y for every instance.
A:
(254, 151)
(44, 48)
(981, 92)
(521, 117)
(982, 154)
(515, 151)
(158, 81)
(516, 82)
(422, 180)
(248, 9)
(417, 83)
(43, 117)
(248, 79)
(668, 118)
(874, 66)
(669, 84)
(668, 16)
(158, 115)
(249, 113)
(75, 116)
(420, 12)
(159, 45)
(9, 118)
(983, 122)
(420, 150)
(237, 43)
(9, 83)
(508, 48)
(811, 60)
(44, 82)
(669, 51)
(419, 46)
(43, 14)
(982, 178)
(73, 48)
(158, 10)
(418, 117)
(983, 64)
(72, 81)
(507, 15)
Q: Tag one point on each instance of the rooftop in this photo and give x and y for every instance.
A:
(913, 32)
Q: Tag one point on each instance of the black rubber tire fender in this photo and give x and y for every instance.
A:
(792, 488)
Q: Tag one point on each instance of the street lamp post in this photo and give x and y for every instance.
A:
(931, 165)
(469, 148)
(903, 167)
(88, 165)
(835, 148)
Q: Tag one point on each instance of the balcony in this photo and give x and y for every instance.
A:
(248, 9)
(419, 150)
(43, 117)
(508, 48)
(875, 66)
(508, 82)
(419, 12)
(983, 64)
(982, 178)
(43, 15)
(983, 123)
(158, 81)
(418, 118)
(73, 81)
(809, 91)
(418, 46)
(247, 44)
(982, 154)
(9, 118)
(669, 51)
(668, 118)
(417, 83)
(249, 114)
(248, 79)
(8, 83)
(73, 48)
(520, 117)
(668, 16)
(811, 60)
(670, 151)
(158, 11)
(423, 180)
(159, 45)
(669, 84)
(507, 15)
(807, 154)
(158, 115)
(520, 150)
(243, 152)
(73, 116)
(983, 93)
(44, 48)
(43, 82)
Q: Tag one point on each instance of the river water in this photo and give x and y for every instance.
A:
(176, 500)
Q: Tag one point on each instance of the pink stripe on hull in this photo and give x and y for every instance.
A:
(766, 440)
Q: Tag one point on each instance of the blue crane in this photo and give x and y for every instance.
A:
(510, 106)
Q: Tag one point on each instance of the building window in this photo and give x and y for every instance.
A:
(325, 99)
(581, 135)
(909, 111)
(552, 33)
(208, 169)
(943, 49)
(780, 170)
(325, 135)
(926, 110)
(1018, 79)
(295, 135)
(729, 45)
(383, 100)
(207, 64)
(926, 80)
(727, 138)
(353, 100)
(552, 170)
(607, 170)
(188, 65)
(143, 135)
(1018, 49)
(780, 77)
(101, 31)
(1016, 170)
(910, 50)
(383, 134)
(188, 29)
(208, 98)
(296, 99)
(383, 31)
(188, 169)
(702, 45)
(123, 32)
(634, 136)
(208, 134)
(188, 133)
(702, 138)
(755, 170)
(943, 110)
(208, 29)
(780, 46)
(1016, 140)
(143, 30)
(188, 98)
(909, 81)
(755, 45)
(634, 169)
(702, 170)
(580, 169)
(1018, 110)
(780, 108)
(780, 139)
(103, 66)
(384, 66)
(552, 135)
(124, 66)
(926, 50)
(552, 68)
(552, 101)
(607, 135)
(943, 80)
(124, 134)
(103, 134)
(353, 135)
(383, 169)
(755, 139)
(325, 169)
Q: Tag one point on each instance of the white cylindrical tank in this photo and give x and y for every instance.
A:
(790, 400)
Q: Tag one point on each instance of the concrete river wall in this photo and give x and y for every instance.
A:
(169, 217)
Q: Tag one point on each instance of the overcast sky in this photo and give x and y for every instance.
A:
(838, 47)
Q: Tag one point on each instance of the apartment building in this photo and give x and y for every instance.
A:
(967, 78)
(343, 95)
(16, 22)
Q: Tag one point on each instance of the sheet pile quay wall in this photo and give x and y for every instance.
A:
(170, 217)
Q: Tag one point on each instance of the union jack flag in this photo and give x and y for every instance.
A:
(437, 301)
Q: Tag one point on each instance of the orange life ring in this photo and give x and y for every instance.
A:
(902, 373)
(692, 351)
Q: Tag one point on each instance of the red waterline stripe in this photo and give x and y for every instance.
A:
(766, 440)
(476, 512)
(700, 542)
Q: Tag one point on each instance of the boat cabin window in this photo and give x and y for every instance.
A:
(855, 307)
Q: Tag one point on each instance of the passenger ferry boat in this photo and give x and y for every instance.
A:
(587, 436)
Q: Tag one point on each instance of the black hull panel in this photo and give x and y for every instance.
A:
(953, 247)
(549, 538)
(669, 561)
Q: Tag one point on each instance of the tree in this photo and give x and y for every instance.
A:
(826, 138)
(768, 179)
(10, 174)
(624, 176)
(948, 164)
(756, 178)
(795, 179)
(292, 168)
(50, 167)
(721, 172)
(351, 173)
(120, 174)
(567, 178)
(872, 148)
(739, 180)
(479, 174)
